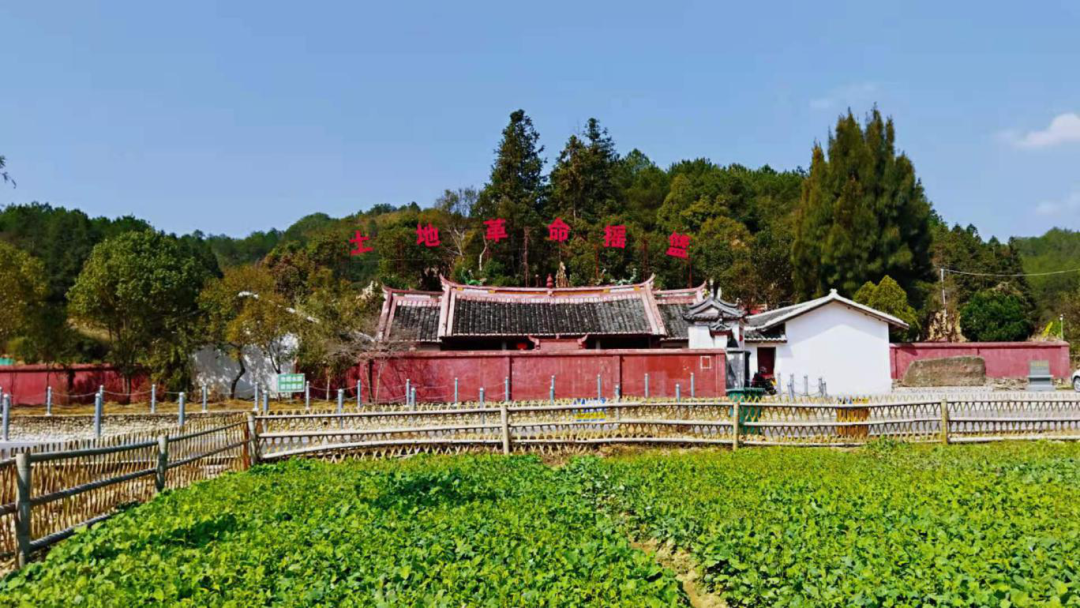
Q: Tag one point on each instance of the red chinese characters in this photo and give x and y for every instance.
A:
(360, 248)
(496, 230)
(615, 236)
(679, 243)
(427, 235)
(558, 231)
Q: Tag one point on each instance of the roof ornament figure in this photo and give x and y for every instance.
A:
(561, 279)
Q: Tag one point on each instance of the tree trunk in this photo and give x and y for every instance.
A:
(236, 380)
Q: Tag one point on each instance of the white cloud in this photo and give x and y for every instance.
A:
(1064, 128)
(850, 94)
(1069, 204)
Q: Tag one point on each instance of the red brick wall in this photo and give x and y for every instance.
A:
(27, 383)
(1003, 359)
(433, 374)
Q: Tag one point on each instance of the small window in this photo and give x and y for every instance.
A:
(706, 362)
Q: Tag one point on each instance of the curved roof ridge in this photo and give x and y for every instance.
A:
(395, 290)
(504, 289)
(688, 291)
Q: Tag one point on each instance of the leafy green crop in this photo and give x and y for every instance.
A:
(884, 526)
(889, 525)
(438, 532)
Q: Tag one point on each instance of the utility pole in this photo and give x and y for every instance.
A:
(944, 307)
(526, 256)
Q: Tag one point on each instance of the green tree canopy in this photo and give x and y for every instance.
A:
(22, 290)
(888, 297)
(584, 180)
(974, 265)
(996, 315)
(244, 311)
(862, 215)
(141, 288)
(516, 192)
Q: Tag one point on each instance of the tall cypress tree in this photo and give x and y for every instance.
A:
(863, 214)
(515, 193)
(584, 181)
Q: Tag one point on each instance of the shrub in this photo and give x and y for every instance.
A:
(995, 316)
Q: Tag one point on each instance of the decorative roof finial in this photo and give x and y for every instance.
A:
(561, 280)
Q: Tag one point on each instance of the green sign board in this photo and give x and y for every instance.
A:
(290, 383)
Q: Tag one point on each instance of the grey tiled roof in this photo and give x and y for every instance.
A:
(764, 318)
(713, 309)
(752, 334)
(674, 322)
(499, 317)
(419, 323)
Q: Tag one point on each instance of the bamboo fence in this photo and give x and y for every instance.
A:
(379, 431)
(48, 491)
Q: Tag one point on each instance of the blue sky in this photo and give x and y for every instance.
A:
(238, 116)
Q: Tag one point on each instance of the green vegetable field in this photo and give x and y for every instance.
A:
(888, 525)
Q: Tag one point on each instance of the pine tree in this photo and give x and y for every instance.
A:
(863, 214)
(584, 181)
(515, 193)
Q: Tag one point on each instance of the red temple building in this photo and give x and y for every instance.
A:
(478, 318)
(606, 341)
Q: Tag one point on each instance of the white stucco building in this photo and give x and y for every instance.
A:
(831, 339)
(217, 369)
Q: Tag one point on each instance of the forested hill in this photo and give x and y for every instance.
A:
(1055, 251)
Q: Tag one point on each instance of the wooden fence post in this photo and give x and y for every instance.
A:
(505, 417)
(253, 440)
(944, 420)
(245, 448)
(23, 486)
(162, 462)
(735, 427)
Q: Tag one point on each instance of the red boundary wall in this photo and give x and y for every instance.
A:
(1003, 359)
(432, 373)
(71, 384)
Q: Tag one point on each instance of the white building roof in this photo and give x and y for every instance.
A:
(765, 321)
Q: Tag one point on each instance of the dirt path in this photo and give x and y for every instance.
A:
(682, 564)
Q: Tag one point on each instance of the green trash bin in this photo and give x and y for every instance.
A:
(747, 412)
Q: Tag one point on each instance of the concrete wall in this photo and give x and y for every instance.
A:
(433, 374)
(850, 350)
(73, 384)
(1003, 359)
(217, 370)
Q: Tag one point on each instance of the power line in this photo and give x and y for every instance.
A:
(1017, 274)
